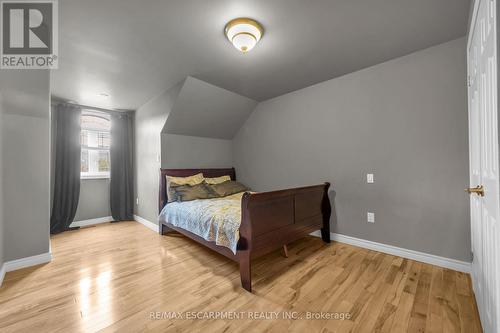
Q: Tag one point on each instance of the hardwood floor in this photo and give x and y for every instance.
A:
(124, 277)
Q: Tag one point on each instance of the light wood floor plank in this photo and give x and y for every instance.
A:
(116, 277)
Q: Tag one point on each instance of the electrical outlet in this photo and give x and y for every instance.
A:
(370, 217)
(369, 178)
(137, 201)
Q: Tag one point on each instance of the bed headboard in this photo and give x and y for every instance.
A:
(209, 173)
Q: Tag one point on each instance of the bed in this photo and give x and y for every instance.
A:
(267, 221)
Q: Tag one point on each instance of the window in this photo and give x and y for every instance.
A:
(95, 140)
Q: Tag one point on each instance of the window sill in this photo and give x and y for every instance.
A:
(94, 177)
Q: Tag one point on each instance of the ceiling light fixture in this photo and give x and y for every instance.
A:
(244, 33)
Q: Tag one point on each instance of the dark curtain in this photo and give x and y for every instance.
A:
(121, 183)
(67, 167)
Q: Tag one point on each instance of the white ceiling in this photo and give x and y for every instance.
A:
(133, 50)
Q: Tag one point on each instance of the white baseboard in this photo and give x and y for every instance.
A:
(2, 273)
(146, 223)
(14, 265)
(85, 223)
(454, 264)
(427, 258)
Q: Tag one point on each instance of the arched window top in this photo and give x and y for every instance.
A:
(96, 121)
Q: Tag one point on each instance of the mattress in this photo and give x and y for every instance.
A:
(216, 220)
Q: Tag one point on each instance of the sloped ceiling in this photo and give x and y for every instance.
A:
(133, 50)
(204, 110)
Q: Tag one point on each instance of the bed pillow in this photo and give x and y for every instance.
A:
(217, 180)
(228, 188)
(192, 192)
(191, 180)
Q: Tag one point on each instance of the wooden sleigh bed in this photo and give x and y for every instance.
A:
(269, 220)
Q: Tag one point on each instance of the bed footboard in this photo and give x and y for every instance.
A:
(273, 219)
(269, 220)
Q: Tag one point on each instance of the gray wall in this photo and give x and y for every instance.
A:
(2, 238)
(185, 152)
(404, 120)
(154, 148)
(25, 162)
(94, 199)
(149, 121)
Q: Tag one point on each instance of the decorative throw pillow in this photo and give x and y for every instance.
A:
(228, 188)
(188, 192)
(191, 180)
(218, 180)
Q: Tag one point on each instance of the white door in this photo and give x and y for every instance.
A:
(484, 177)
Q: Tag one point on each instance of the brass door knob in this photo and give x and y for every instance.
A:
(479, 190)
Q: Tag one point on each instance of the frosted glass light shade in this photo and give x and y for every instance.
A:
(244, 42)
(244, 33)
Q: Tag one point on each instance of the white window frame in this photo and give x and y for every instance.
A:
(96, 175)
